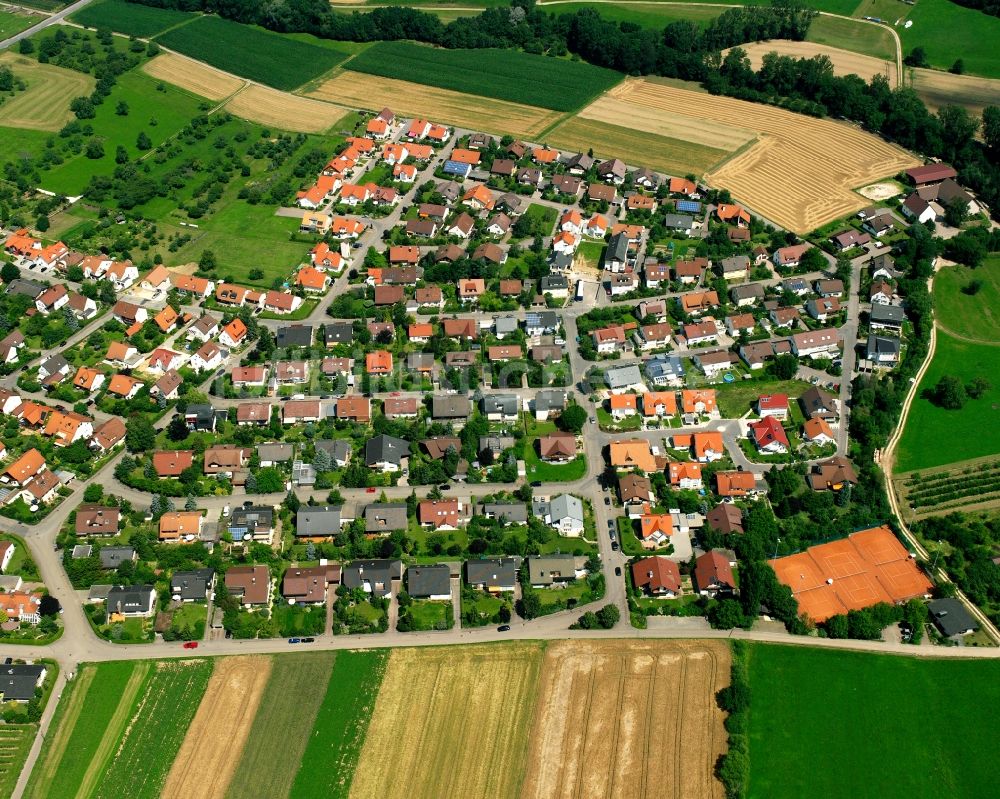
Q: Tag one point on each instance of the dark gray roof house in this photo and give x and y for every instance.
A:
(492, 574)
(19, 681)
(621, 376)
(507, 512)
(538, 322)
(131, 600)
(617, 251)
(385, 517)
(552, 399)
(274, 453)
(193, 585)
(295, 336)
(749, 291)
(338, 333)
(338, 449)
(318, 521)
(386, 449)
(374, 576)
(429, 582)
(889, 317)
(553, 283)
(678, 222)
(545, 570)
(450, 406)
(113, 557)
(882, 349)
(951, 618)
(502, 405)
(29, 288)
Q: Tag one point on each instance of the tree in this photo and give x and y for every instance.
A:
(322, 461)
(93, 493)
(608, 616)
(190, 503)
(949, 393)
(292, 501)
(784, 367)
(917, 58)
(207, 262)
(94, 149)
(573, 418)
(177, 430)
(726, 615)
(991, 128)
(42, 223)
(142, 142)
(958, 67)
(140, 435)
(251, 484)
(9, 273)
(122, 108)
(26, 47)
(531, 604)
(979, 386)
(121, 155)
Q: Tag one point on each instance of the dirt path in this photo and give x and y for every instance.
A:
(205, 765)
(113, 731)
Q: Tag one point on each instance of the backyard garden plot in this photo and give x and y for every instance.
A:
(45, 103)
(455, 720)
(441, 105)
(285, 111)
(502, 74)
(844, 61)
(617, 718)
(202, 767)
(331, 755)
(131, 18)
(193, 76)
(808, 707)
(262, 56)
(285, 713)
(799, 173)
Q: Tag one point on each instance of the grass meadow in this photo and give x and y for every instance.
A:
(502, 74)
(330, 757)
(975, 316)
(12, 22)
(935, 436)
(842, 725)
(287, 714)
(948, 31)
(253, 53)
(858, 37)
(131, 18)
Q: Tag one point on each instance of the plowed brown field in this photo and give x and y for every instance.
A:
(205, 763)
(455, 108)
(939, 89)
(636, 719)
(799, 173)
(450, 722)
(194, 76)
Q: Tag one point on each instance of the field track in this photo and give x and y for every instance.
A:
(455, 720)
(844, 61)
(205, 765)
(632, 719)
(283, 110)
(442, 105)
(194, 76)
(45, 104)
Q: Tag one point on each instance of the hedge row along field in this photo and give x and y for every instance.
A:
(130, 18)
(267, 58)
(502, 74)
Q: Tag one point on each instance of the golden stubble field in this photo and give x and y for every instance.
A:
(844, 61)
(355, 90)
(193, 76)
(628, 718)
(450, 721)
(800, 172)
(205, 764)
(286, 111)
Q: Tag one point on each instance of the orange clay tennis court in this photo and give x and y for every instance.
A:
(855, 572)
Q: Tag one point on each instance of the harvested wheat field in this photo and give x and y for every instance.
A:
(193, 76)
(644, 147)
(356, 90)
(636, 718)
(204, 765)
(938, 89)
(286, 111)
(450, 722)
(799, 173)
(844, 61)
(45, 103)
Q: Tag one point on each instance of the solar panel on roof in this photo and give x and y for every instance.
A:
(688, 205)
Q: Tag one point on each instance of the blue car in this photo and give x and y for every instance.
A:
(294, 640)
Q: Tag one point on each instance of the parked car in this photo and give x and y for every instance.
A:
(308, 640)
(614, 546)
(618, 571)
(294, 640)
(607, 500)
(370, 490)
(611, 524)
(190, 644)
(503, 628)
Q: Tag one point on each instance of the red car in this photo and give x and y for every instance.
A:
(370, 490)
(190, 644)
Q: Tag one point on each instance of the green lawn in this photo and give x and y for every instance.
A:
(843, 725)
(293, 620)
(858, 37)
(556, 599)
(429, 615)
(735, 399)
(948, 31)
(22, 142)
(511, 75)
(159, 113)
(543, 216)
(973, 316)
(327, 765)
(11, 23)
(287, 714)
(252, 52)
(131, 18)
(551, 472)
(935, 436)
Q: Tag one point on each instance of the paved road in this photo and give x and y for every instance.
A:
(56, 17)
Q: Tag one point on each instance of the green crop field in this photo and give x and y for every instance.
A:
(286, 713)
(84, 714)
(268, 58)
(948, 31)
(935, 436)
(15, 741)
(130, 18)
(858, 37)
(975, 316)
(502, 74)
(153, 734)
(842, 725)
(335, 742)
